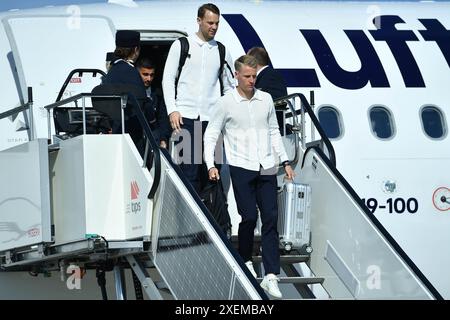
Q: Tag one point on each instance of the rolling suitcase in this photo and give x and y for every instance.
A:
(294, 208)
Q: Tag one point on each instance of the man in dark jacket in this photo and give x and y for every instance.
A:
(123, 72)
(268, 79)
(161, 125)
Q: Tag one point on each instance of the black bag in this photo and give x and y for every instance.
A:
(214, 199)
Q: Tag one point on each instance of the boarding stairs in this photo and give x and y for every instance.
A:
(170, 242)
(89, 221)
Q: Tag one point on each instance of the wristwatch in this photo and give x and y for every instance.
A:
(285, 163)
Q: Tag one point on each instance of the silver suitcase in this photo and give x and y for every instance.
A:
(294, 215)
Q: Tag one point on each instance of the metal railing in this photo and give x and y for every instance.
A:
(305, 108)
(126, 99)
(80, 73)
(25, 107)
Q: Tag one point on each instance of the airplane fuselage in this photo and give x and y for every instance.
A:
(355, 56)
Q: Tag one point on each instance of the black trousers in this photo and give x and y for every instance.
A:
(251, 188)
(190, 151)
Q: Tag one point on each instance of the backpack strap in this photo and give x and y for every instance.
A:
(223, 62)
(184, 52)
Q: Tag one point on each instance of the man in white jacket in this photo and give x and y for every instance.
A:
(253, 146)
(191, 100)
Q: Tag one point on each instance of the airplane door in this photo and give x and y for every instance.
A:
(47, 48)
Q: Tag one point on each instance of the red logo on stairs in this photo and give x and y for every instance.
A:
(134, 190)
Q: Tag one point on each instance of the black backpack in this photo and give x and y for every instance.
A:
(214, 199)
(185, 53)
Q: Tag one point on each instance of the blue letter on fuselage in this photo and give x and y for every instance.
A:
(371, 67)
(437, 32)
(249, 38)
(396, 40)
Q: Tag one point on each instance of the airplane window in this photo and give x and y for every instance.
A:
(433, 122)
(330, 121)
(381, 122)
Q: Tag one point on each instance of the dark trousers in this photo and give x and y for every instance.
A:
(252, 188)
(192, 164)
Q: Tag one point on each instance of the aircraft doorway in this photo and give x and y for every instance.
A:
(155, 46)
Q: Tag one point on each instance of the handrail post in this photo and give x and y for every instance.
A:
(311, 103)
(123, 102)
(83, 105)
(144, 164)
(30, 112)
(302, 123)
(49, 129)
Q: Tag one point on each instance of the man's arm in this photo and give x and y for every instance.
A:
(169, 76)
(163, 118)
(227, 75)
(212, 132)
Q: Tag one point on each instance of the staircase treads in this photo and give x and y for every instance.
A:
(287, 259)
(301, 280)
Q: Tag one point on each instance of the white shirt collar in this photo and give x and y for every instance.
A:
(130, 62)
(210, 43)
(239, 98)
(259, 71)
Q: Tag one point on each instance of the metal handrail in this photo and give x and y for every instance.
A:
(80, 72)
(144, 124)
(15, 110)
(76, 98)
(306, 107)
(154, 146)
(27, 106)
(295, 128)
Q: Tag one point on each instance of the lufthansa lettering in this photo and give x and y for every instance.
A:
(372, 70)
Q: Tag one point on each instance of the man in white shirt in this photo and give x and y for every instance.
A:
(246, 117)
(190, 102)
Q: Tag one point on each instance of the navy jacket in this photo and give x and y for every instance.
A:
(161, 127)
(271, 81)
(123, 73)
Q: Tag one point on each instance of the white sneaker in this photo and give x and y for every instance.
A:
(249, 265)
(270, 284)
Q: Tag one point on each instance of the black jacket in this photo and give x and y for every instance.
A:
(271, 81)
(123, 73)
(161, 125)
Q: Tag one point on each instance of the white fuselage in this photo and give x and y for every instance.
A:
(44, 45)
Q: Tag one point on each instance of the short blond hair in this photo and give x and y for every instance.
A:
(245, 60)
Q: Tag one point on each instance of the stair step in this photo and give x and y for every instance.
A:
(300, 280)
(286, 259)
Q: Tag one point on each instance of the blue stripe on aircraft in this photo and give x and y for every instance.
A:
(249, 38)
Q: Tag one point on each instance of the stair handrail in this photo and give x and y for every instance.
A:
(14, 111)
(305, 106)
(24, 107)
(80, 72)
(142, 121)
(389, 238)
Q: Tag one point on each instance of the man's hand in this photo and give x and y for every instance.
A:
(163, 144)
(213, 174)
(176, 121)
(290, 174)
